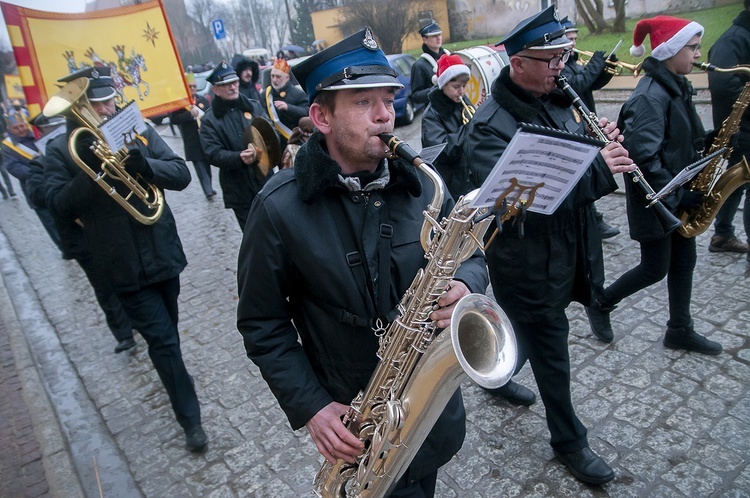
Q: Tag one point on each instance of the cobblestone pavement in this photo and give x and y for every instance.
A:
(672, 424)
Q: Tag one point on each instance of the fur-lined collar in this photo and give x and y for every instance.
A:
(522, 105)
(221, 106)
(675, 84)
(441, 102)
(316, 172)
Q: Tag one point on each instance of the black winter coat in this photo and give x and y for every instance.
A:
(128, 253)
(421, 74)
(585, 79)
(189, 130)
(732, 48)
(663, 134)
(294, 281)
(442, 124)
(221, 136)
(560, 255)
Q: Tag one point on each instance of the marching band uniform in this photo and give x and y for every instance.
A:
(425, 67)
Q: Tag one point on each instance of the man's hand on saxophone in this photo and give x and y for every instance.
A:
(447, 302)
(331, 436)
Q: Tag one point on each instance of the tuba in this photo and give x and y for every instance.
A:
(717, 182)
(144, 202)
(419, 371)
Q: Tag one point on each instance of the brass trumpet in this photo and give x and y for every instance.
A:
(467, 110)
(612, 67)
(71, 101)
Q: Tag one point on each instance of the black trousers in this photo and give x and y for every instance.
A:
(117, 320)
(423, 488)
(672, 256)
(153, 311)
(545, 345)
(241, 213)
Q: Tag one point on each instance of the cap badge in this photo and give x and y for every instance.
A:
(94, 73)
(369, 41)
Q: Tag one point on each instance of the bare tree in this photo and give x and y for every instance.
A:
(205, 11)
(391, 20)
(618, 26)
(592, 13)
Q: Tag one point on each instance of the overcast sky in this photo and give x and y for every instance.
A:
(48, 5)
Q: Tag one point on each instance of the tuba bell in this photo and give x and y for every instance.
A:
(143, 201)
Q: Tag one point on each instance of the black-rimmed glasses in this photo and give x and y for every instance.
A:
(554, 62)
(695, 47)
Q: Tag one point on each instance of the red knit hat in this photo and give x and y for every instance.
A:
(450, 66)
(668, 35)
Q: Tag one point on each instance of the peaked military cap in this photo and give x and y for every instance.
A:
(430, 29)
(222, 74)
(354, 62)
(542, 31)
(568, 25)
(101, 85)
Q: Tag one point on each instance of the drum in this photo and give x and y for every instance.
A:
(485, 63)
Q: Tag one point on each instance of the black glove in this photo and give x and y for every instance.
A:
(599, 54)
(690, 199)
(84, 146)
(613, 58)
(135, 163)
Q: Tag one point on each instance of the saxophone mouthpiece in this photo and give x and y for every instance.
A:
(400, 148)
(704, 66)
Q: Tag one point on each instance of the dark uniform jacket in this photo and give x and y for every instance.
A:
(585, 79)
(295, 278)
(732, 48)
(442, 124)
(297, 106)
(421, 74)
(663, 134)
(221, 136)
(17, 162)
(555, 261)
(189, 130)
(130, 254)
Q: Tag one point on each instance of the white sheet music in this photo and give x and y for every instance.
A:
(122, 129)
(550, 158)
(688, 173)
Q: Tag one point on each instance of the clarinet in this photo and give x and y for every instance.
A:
(667, 220)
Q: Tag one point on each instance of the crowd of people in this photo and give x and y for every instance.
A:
(331, 218)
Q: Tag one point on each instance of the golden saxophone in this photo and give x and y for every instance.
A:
(144, 202)
(717, 181)
(419, 371)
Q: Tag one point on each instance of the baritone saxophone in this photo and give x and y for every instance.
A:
(419, 371)
(718, 180)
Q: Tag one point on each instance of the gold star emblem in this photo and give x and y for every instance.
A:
(150, 34)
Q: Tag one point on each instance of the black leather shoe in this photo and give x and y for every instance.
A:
(599, 320)
(124, 345)
(515, 394)
(690, 340)
(196, 439)
(607, 231)
(587, 466)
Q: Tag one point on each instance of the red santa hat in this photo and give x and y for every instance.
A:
(450, 66)
(668, 35)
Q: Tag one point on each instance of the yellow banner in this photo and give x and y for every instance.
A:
(14, 87)
(135, 42)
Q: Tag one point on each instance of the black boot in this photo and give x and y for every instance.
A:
(599, 320)
(515, 394)
(587, 466)
(688, 339)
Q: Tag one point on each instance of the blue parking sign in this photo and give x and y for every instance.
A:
(217, 26)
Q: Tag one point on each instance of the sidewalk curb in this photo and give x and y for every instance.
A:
(70, 429)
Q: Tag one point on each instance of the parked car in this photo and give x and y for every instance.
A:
(202, 87)
(404, 107)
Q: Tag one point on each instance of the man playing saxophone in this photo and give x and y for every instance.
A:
(663, 133)
(731, 49)
(140, 262)
(536, 274)
(329, 249)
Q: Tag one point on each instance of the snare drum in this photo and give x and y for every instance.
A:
(485, 64)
